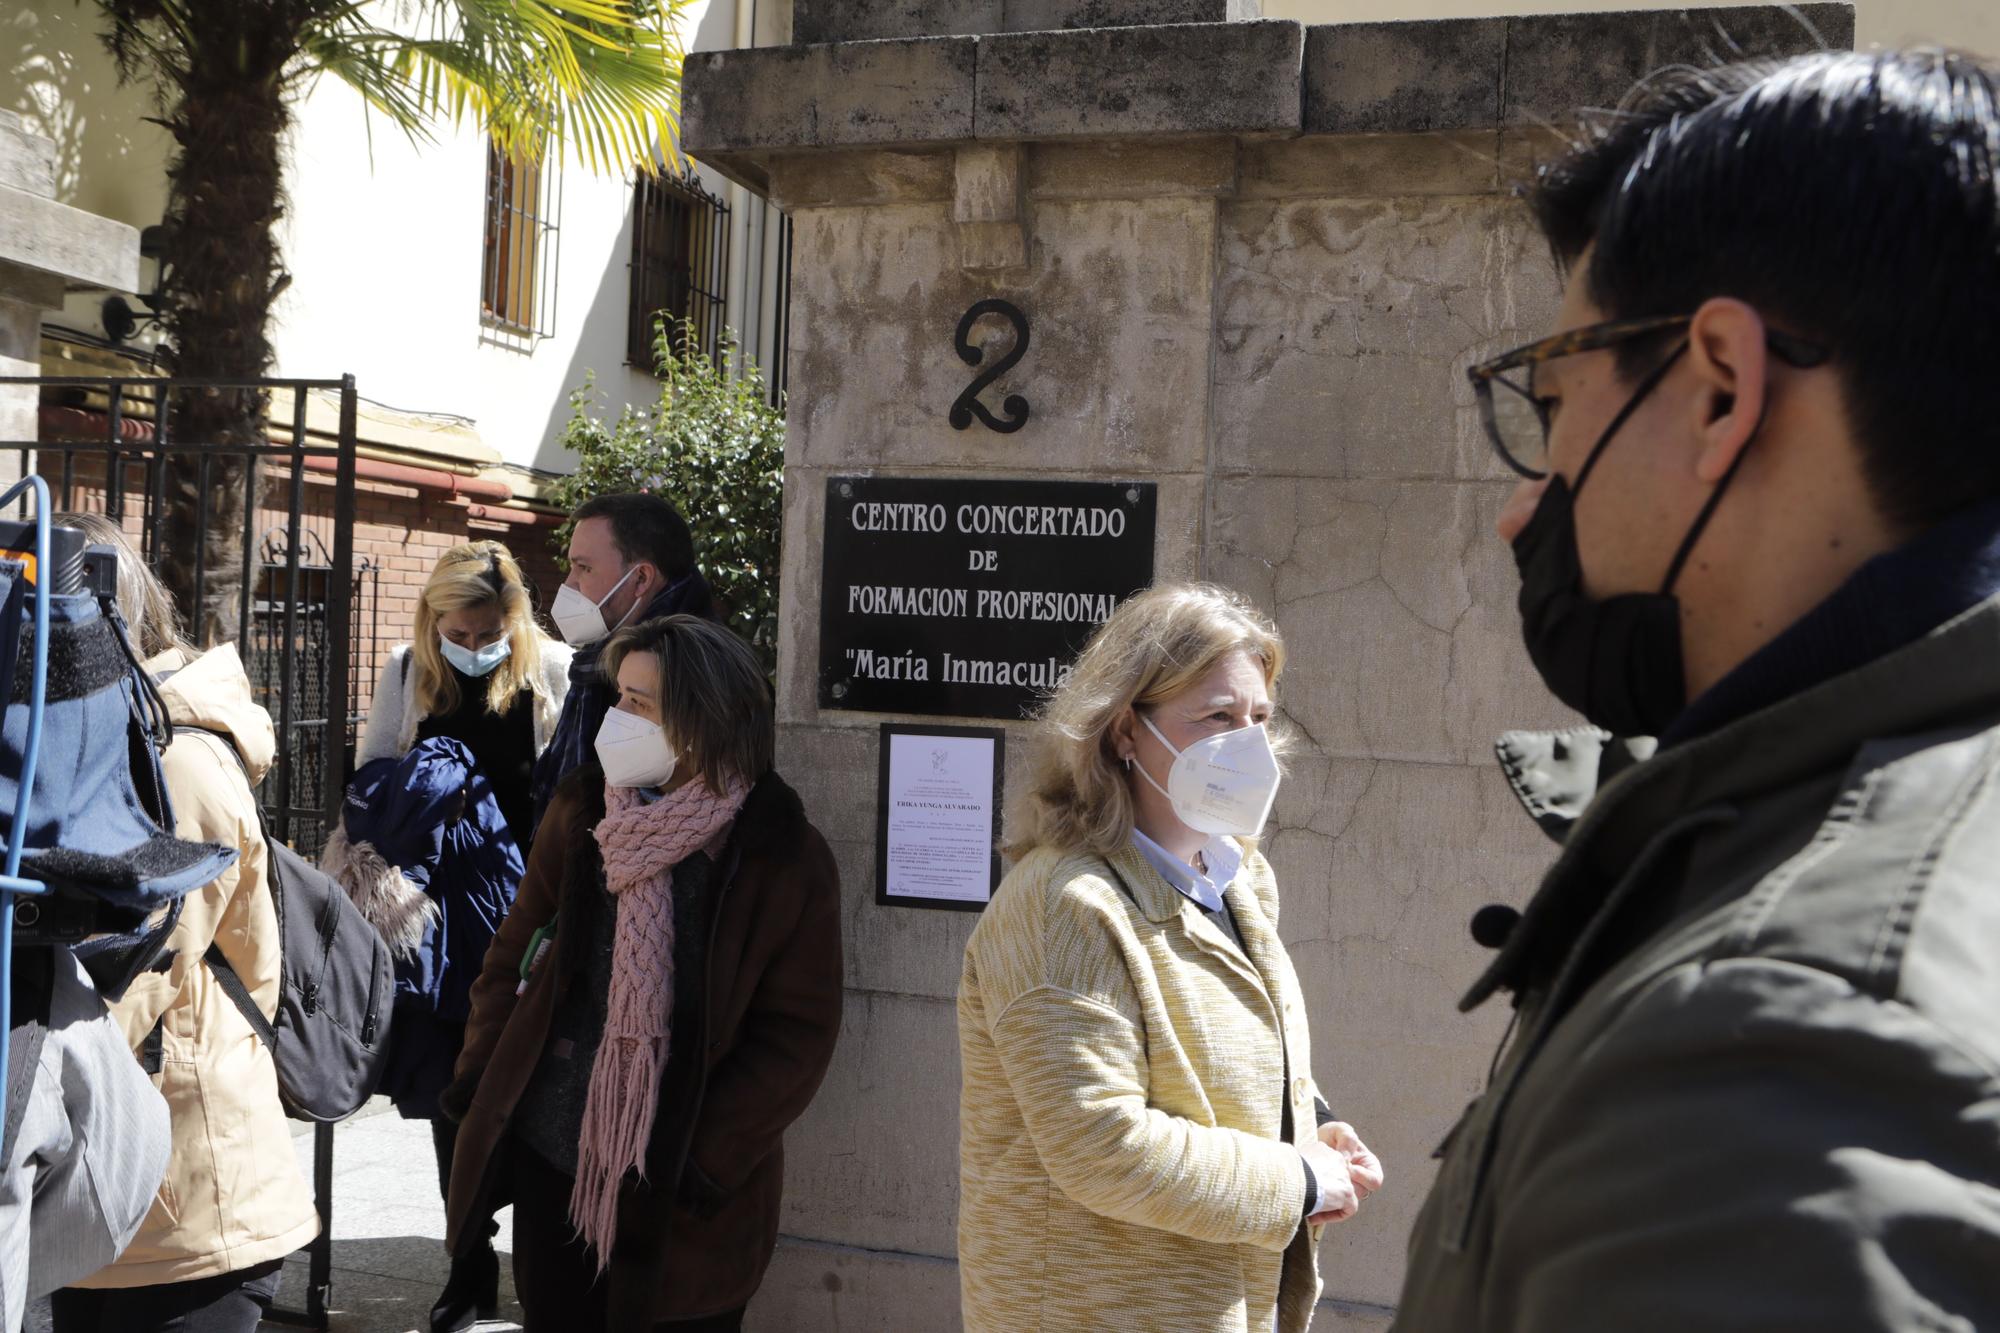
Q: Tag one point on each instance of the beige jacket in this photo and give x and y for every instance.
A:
(233, 1195)
(1127, 1072)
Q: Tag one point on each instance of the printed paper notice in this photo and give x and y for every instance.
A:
(939, 811)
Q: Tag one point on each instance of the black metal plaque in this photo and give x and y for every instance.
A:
(971, 598)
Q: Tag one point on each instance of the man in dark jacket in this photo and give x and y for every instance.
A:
(1754, 1081)
(630, 560)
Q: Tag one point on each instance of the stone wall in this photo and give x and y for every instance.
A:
(1265, 307)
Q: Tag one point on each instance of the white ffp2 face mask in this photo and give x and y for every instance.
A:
(476, 661)
(1221, 784)
(633, 751)
(581, 621)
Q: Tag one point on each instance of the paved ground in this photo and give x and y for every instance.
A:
(388, 1228)
(388, 1231)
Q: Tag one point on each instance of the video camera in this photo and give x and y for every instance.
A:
(71, 913)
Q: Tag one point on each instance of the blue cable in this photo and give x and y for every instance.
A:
(11, 884)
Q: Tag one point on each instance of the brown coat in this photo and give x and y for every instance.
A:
(695, 1237)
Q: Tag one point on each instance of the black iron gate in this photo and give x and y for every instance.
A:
(323, 725)
(105, 446)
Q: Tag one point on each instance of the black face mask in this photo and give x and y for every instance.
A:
(1616, 661)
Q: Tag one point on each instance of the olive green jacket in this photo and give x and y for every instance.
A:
(1755, 1078)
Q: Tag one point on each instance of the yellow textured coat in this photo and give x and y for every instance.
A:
(1126, 1073)
(233, 1196)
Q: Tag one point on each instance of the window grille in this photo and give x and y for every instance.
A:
(523, 213)
(680, 267)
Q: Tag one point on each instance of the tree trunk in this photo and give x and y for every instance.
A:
(223, 273)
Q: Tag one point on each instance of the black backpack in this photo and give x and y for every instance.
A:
(338, 985)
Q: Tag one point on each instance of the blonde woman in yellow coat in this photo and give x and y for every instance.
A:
(1141, 1143)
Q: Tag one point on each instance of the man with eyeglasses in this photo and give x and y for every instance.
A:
(1753, 1079)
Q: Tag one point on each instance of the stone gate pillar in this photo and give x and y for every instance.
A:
(1256, 257)
(45, 246)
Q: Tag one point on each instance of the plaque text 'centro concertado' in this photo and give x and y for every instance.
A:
(968, 597)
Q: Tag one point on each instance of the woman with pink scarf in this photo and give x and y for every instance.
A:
(658, 1007)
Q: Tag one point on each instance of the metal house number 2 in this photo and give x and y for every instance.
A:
(967, 406)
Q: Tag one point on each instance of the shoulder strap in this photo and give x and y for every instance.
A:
(225, 975)
(239, 994)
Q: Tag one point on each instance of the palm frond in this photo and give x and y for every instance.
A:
(600, 78)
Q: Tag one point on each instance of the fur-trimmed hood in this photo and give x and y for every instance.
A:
(426, 855)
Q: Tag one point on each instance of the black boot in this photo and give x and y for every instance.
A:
(472, 1293)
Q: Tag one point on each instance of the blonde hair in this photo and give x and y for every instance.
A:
(1153, 647)
(474, 575)
(144, 602)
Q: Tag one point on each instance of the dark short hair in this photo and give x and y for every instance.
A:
(644, 527)
(715, 702)
(1850, 198)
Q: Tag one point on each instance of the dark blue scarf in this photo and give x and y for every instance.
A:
(591, 696)
(1889, 603)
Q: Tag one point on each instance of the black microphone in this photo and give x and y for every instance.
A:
(1493, 925)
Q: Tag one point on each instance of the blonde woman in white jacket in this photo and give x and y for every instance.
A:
(480, 672)
(474, 601)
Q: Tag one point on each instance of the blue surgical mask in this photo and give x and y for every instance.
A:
(475, 661)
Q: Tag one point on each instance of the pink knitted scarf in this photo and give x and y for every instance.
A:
(641, 843)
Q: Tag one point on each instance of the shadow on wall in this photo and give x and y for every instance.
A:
(57, 74)
(609, 303)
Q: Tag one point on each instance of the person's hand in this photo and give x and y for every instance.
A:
(1336, 1184)
(1364, 1168)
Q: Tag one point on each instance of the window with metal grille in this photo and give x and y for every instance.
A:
(518, 278)
(680, 267)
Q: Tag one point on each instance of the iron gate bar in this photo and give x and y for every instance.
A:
(114, 485)
(340, 627)
(288, 659)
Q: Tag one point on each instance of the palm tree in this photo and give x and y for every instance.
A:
(597, 77)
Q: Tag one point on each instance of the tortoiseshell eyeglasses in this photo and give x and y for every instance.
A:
(1517, 422)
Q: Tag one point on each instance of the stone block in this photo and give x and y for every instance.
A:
(1397, 605)
(811, 1285)
(857, 94)
(1557, 63)
(1371, 166)
(1117, 295)
(873, 1162)
(81, 248)
(870, 20)
(1180, 79)
(1145, 169)
(1404, 78)
(1344, 326)
(27, 159)
(1039, 15)
(987, 206)
(861, 20)
(862, 177)
(987, 181)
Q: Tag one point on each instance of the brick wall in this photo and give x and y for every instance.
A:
(399, 533)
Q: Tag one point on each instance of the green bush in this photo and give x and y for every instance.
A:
(715, 447)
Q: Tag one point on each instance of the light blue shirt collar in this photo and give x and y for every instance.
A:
(1204, 890)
